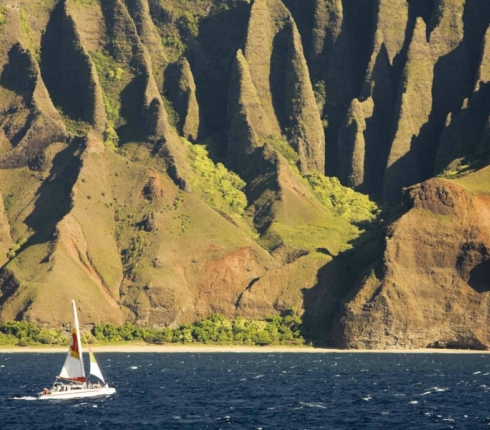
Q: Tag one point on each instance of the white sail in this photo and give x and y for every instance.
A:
(73, 368)
(94, 367)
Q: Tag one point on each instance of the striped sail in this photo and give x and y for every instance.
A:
(94, 367)
(73, 368)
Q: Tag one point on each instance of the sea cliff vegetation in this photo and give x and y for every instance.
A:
(214, 330)
(165, 161)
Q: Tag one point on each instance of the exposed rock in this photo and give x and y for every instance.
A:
(153, 188)
(247, 125)
(391, 20)
(412, 112)
(331, 63)
(352, 144)
(5, 239)
(464, 130)
(180, 88)
(304, 128)
(431, 291)
(273, 48)
(483, 74)
(35, 123)
(154, 222)
(140, 12)
(69, 73)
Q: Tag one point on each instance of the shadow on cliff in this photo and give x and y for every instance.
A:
(338, 280)
(54, 196)
(480, 277)
(211, 60)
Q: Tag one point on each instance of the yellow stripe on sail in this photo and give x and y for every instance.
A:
(92, 357)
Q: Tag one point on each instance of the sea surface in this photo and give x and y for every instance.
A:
(256, 391)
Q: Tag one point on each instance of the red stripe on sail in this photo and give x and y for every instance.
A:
(74, 351)
(81, 379)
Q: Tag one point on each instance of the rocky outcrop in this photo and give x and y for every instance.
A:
(352, 144)
(279, 72)
(30, 123)
(69, 73)
(140, 13)
(464, 130)
(5, 239)
(432, 290)
(247, 125)
(180, 88)
(412, 112)
(304, 128)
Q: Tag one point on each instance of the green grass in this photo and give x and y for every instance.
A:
(74, 126)
(26, 30)
(86, 2)
(477, 182)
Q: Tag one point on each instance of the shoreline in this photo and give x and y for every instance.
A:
(230, 349)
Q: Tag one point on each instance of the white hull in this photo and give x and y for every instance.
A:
(78, 394)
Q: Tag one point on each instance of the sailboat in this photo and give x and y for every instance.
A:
(72, 382)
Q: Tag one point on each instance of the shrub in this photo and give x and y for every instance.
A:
(354, 206)
(228, 184)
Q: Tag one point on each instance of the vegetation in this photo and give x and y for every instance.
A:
(86, 2)
(282, 146)
(218, 177)
(3, 18)
(133, 254)
(274, 330)
(16, 247)
(320, 92)
(74, 126)
(355, 207)
(26, 30)
(23, 333)
(113, 78)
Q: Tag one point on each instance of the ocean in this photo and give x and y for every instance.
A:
(256, 391)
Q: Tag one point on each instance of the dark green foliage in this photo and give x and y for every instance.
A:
(23, 333)
(274, 330)
(216, 329)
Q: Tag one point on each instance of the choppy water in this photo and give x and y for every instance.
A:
(258, 391)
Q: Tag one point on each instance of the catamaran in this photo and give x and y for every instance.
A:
(72, 383)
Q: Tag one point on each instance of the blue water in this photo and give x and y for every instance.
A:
(257, 391)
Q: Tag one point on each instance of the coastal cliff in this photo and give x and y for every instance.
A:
(164, 160)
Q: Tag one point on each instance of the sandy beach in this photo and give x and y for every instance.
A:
(232, 349)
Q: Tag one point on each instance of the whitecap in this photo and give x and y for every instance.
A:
(258, 376)
(3, 365)
(367, 398)
(427, 392)
(314, 405)
(414, 402)
(24, 398)
(476, 373)
(441, 390)
(133, 367)
(94, 406)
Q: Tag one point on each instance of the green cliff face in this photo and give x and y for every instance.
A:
(163, 160)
